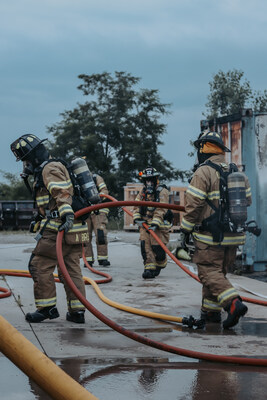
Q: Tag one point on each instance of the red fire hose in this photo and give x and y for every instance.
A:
(126, 332)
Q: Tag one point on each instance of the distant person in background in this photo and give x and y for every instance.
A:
(97, 223)
(158, 220)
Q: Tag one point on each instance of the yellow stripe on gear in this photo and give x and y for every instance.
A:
(227, 294)
(59, 185)
(45, 302)
(227, 240)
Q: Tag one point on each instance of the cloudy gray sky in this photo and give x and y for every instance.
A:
(174, 46)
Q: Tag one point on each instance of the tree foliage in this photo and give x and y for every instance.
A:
(230, 92)
(15, 189)
(118, 129)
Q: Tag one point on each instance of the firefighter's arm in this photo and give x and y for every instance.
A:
(195, 201)
(57, 181)
(136, 210)
(159, 213)
(102, 189)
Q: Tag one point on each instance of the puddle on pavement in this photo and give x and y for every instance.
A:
(145, 379)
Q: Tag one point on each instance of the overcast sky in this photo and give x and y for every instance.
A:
(175, 46)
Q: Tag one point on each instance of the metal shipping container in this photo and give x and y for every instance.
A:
(16, 214)
(245, 133)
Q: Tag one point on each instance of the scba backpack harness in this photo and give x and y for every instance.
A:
(231, 214)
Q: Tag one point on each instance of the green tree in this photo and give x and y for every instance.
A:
(118, 129)
(15, 189)
(230, 92)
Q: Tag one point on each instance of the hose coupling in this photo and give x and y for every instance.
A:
(192, 322)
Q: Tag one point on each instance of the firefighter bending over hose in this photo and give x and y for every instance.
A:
(97, 223)
(215, 235)
(158, 219)
(53, 193)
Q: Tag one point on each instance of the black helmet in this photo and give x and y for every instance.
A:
(212, 137)
(22, 147)
(149, 172)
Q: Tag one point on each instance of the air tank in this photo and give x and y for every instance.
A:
(236, 184)
(85, 180)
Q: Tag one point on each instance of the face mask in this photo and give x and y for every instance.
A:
(27, 169)
(149, 187)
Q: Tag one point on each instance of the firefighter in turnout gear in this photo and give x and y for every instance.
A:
(97, 223)
(158, 219)
(215, 247)
(52, 192)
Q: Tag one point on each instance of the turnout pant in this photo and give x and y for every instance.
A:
(212, 263)
(97, 223)
(42, 265)
(152, 253)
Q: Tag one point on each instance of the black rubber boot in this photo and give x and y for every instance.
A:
(105, 263)
(40, 315)
(77, 317)
(148, 274)
(211, 316)
(157, 271)
(235, 310)
(90, 263)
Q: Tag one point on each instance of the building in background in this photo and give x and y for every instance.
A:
(176, 197)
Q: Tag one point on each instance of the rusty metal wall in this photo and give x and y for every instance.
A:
(246, 136)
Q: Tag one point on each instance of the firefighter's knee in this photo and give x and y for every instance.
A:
(100, 236)
(143, 249)
(159, 252)
(32, 268)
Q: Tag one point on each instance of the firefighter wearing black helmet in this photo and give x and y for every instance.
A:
(154, 257)
(215, 249)
(52, 191)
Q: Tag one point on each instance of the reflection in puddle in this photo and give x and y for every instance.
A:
(145, 379)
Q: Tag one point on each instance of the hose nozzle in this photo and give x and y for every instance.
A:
(192, 322)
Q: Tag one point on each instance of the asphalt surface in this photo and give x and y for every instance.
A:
(172, 293)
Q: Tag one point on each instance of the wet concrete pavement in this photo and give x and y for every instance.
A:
(110, 365)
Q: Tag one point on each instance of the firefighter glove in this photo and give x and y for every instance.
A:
(153, 227)
(139, 222)
(68, 224)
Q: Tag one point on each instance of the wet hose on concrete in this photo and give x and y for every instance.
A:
(51, 378)
(132, 335)
(120, 329)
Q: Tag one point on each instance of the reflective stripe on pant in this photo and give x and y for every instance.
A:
(97, 223)
(153, 255)
(42, 265)
(212, 263)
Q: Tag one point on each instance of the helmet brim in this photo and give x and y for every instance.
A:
(198, 142)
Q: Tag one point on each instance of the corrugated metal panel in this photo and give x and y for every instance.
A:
(236, 143)
(245, 134)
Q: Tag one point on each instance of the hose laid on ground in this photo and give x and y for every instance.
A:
(126, 332)
(165, 248)
(132, 310)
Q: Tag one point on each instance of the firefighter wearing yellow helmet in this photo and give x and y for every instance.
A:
(158, 219)
(215, 241)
